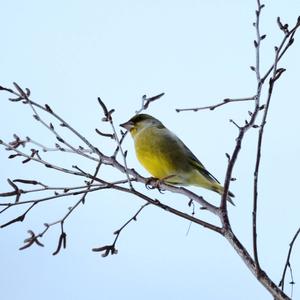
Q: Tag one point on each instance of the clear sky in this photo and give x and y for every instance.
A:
(197, 52)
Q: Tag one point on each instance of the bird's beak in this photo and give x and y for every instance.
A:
(127, 125)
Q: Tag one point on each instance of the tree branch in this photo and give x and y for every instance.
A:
(108, 118)
(111, 249)
(212, 107)
(287, 263)
(257, 44)
(146, 102)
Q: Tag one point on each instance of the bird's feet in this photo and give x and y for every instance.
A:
(156, 183)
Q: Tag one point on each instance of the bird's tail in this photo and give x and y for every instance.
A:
(219, 189)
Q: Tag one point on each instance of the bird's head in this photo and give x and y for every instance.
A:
(139, 122)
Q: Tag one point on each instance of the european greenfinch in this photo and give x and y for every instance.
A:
(166, 157)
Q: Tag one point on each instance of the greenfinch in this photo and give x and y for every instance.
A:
(166, 157)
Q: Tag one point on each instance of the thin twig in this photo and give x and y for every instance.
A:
(67, 191)
(257, 44)
(288, 34)
(123, 135)
(287, 263)
(80, 150)
(63, 236)
(169, 209)
(258, 39)
(108, 118)
(23, 95)
(41, 161)
(19, 218)
(212, 107)
(111, 249)
(146, 101)
(91, 182)
(284, 45)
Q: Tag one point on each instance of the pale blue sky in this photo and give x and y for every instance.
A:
(197, 52)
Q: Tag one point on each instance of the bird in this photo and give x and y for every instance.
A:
(166, 157)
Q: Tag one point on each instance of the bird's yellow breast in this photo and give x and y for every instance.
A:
(155, 152)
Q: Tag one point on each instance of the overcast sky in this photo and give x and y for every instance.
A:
(198, 52)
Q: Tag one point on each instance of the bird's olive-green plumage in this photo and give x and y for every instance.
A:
(166, 157)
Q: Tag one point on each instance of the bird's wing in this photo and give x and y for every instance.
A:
(199, 166)
(174, 140)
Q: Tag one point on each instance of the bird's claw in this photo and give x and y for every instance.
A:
(154, 183)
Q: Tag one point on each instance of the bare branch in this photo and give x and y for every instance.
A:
(24, 95)
(287, 263)
(259, 88)
(146, 101)
(258, 40)
(111, 249)
(66, 191)
(91, 182)
(58, 147)
(212, 107)
(19, 218)
(285, 44)
(105, 134)
(108, 118)
(123, 135)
